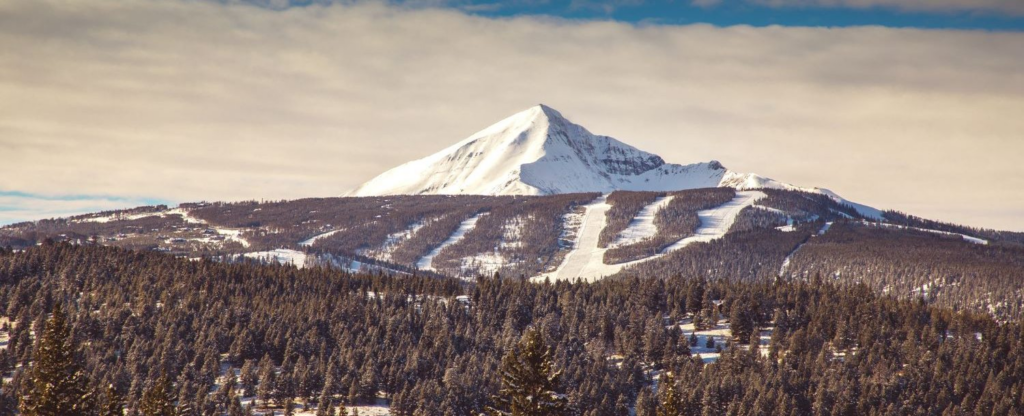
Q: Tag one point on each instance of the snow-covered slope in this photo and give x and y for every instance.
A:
(744, 181)
(539, 152)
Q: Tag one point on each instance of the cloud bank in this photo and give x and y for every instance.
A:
(196, 100)
(1011, 7)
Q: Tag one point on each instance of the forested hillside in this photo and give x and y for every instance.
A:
(714, 232)
(433, 346)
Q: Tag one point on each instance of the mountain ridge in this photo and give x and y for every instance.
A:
(538, 151)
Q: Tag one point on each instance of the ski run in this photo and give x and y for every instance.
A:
(427, 262)
(586, 260)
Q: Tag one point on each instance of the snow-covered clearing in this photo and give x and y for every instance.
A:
(643, 225)
(232, 234)
(124, 217)
(719, 335)
(789, 227)
(280, 255)
(586, 260)
(427, 262)
(312, 240)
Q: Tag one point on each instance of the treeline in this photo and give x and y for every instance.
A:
(940, 268)
(315, 335)
(901, 218)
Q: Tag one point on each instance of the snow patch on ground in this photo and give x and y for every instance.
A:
(642, 226)
(281, 255)
(312, 240)
(426, 263)
(721, 333)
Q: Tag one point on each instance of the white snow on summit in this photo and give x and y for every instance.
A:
(539, 152)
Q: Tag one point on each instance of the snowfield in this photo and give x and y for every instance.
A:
(539, 152)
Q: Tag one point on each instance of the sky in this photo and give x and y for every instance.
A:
(914, 105)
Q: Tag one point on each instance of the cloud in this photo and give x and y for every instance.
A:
(211, 101)
(16, 206)
(1011, 7)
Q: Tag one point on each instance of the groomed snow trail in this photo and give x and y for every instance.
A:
(585, 251)
(643, 225)
(786, 261)
(717, 221)
(427, 262)
(586, 260)
(965, 237)
(312, 240)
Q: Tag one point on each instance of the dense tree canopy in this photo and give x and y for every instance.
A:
(434, 346)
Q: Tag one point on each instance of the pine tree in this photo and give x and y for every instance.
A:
(670, 402)
(156, 400)
(530, 384)
(289, 407)
(57, 384)
(741, 321)
(235, 407)
(113, 404)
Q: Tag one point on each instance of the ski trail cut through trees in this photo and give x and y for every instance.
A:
(717, 221)
(643, 225)
(789, 257)
(586, 260)
(427, 262)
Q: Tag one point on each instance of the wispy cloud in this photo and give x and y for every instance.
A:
(1013, 7)
(201, 100)
(17, 206)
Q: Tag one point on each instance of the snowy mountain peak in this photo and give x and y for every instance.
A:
(539, 152)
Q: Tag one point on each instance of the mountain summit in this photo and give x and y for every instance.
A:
(539, 152)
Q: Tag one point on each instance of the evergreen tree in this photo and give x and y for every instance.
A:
(530, 384)
(157, 401)
(235, 408)
(289, 407)
(741, 321)
(57, 384)
(113, 404)
(669, 402)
